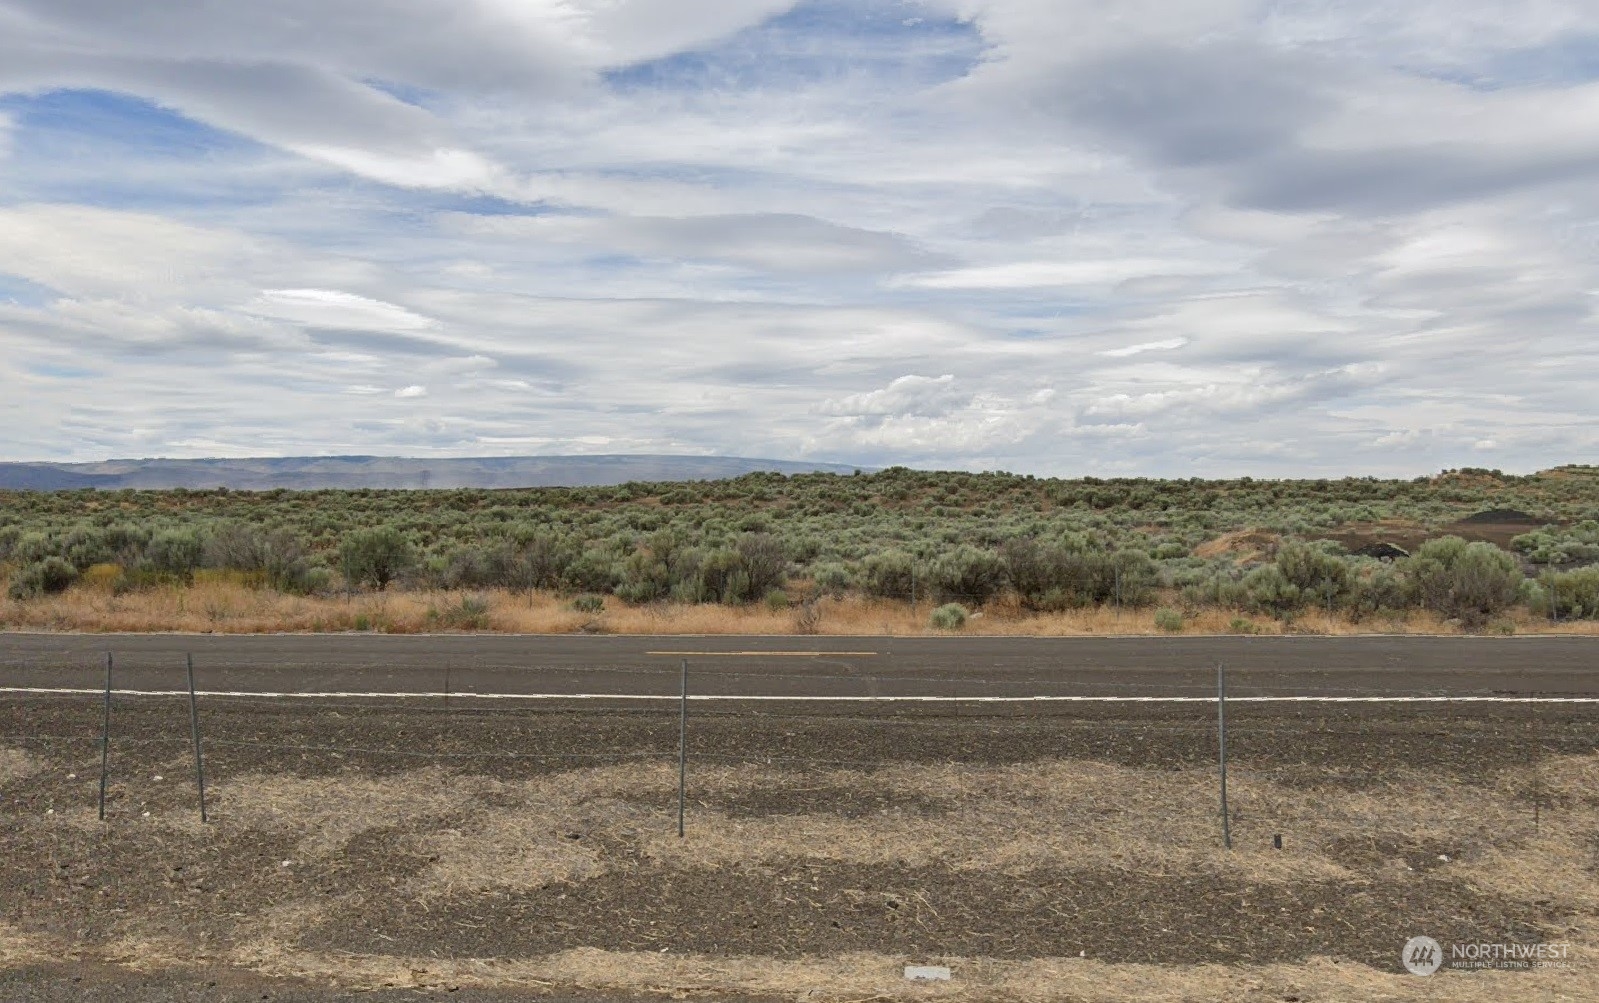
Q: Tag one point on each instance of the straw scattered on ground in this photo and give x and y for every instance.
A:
(860, 977)
(441, 842)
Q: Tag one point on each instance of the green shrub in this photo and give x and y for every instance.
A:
(1239, 625)
(470, 613)
(1269, 591)
(834, 579)
(174, 553)
(376, 556)
(593, 571)
(1556, 545)
(1321, 578)
(1575, 594)
(45, 577)
(721, 578)
(764, 563)
(890, 574)
(1301, 575)
(645, 577)
(9, 535)
(966, 574)
(1134, 574)
(589, 604)
(776, 600)
(1379, 591)
(31, 548)
(277, 556)
(950, 616)
(1472, 582)
(1169, 619)
(316, 579)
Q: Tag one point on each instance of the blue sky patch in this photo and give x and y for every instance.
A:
(820, 41)
(22, 292)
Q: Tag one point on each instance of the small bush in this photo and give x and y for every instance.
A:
(1168, 619)
(315, 580)
(175, 554)
(776, 600)
(833, 579)
(45, 577)
(808, 618)
(1575, 594)
(1472, 582)
(593, 570)
(765, 564)
(967, 573)
(471, 613)
(890, 574)
(589, 604)
(376, 556)
(1241, 626)
(950, 616)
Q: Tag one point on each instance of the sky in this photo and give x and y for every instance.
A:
(1295, 238)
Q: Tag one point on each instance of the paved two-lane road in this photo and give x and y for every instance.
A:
(873, 666)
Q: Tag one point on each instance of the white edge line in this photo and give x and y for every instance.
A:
(348, 695)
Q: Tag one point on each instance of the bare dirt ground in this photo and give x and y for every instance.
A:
(464, 852)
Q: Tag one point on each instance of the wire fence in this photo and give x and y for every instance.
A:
(1211, 762)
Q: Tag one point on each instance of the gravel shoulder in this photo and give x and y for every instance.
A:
(372, 845)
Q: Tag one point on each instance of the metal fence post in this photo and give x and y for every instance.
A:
(105, 736)
(1221, 735)
(682, 754)
(194, 726)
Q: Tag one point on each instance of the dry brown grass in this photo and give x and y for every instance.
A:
(225, 606)
(1243, 545)
(18, 948)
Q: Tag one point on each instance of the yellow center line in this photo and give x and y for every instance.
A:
(762, 654)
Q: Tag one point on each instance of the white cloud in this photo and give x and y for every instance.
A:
(80, 250)
(1036, 274)
(411, 391)
(929, 396)
(1031, 233)
(775, 242)
(1147, 346)
(335, 309)
(297, 74)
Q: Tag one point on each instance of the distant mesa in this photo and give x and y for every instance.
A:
(311, 473)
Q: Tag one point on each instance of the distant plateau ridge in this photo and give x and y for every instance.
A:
(307, 473)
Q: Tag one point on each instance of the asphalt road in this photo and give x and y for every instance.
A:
(815, 666)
